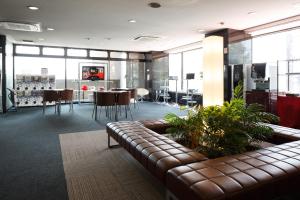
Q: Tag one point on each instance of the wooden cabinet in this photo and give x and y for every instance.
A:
(267, 99)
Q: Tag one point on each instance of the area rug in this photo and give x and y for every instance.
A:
(94, 172)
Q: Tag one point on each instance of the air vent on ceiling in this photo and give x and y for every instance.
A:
(146, 38)
(20, 26)
(27, 41)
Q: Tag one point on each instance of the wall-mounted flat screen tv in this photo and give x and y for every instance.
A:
(190, 76)
(93, 73)
(258, 70)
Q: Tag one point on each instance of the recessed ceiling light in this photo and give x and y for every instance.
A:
(222, 23)
(50, 29)
(33, 8)
(154, 5)
(132, 21)
(108, 38)
(251, 13)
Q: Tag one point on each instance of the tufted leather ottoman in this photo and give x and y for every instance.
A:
(284, 134)
(261, 174)
(158, 126)
(156, 152)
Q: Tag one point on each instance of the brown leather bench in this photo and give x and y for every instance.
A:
(155, 152)
(263, 174)
(284, 134)
(159, 126)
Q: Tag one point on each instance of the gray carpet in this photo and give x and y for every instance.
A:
(95, 172)
(31, 163)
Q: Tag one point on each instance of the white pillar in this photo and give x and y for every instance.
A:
(213, 71)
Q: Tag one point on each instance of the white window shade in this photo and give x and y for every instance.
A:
(118, 55)
(53, 51)
(34, 50)
(77, 52)
(98, 54)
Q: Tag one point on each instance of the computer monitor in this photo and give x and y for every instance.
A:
(258, 70)
(190, 76)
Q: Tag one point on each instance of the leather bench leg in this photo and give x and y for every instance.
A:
(108, 142)
(170, 196)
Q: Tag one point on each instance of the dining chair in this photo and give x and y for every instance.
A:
(67, 96)
(106, 100)
(141, 93)
(124, 100)
(50, 96)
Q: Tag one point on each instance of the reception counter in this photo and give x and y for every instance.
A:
(288, 109)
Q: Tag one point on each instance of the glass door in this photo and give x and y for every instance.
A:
(135, 74)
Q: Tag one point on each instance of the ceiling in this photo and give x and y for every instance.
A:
(176, 22)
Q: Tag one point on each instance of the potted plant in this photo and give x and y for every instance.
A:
(223, 130)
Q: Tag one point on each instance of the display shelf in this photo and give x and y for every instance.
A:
(29, 89)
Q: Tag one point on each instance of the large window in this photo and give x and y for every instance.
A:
(33, 66)
(184, 63)
(192, 63)
(282, 47)
(175, 65)
(278, 46)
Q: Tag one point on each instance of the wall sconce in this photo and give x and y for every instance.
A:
(213, 71)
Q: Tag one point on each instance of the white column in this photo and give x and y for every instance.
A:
(213, 71)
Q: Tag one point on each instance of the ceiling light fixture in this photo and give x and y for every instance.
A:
(222, 23)
(50, 29)
(154, 5)
(132, 21)
(33, 8)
